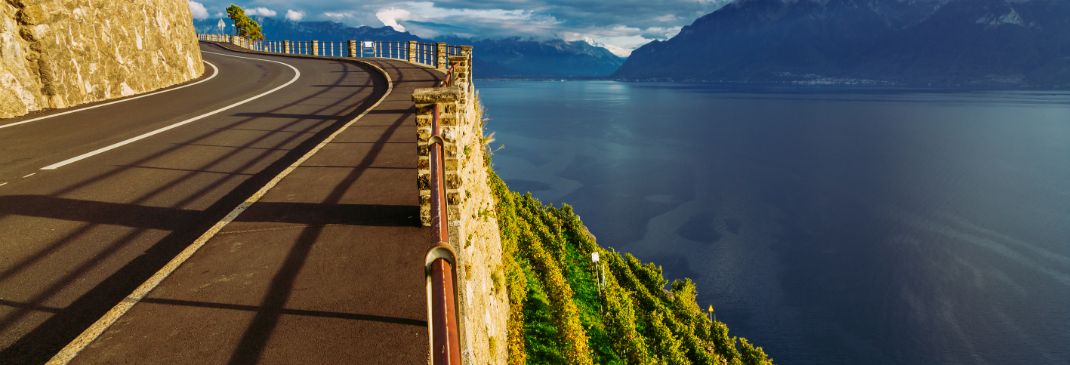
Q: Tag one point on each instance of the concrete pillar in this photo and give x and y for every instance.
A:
(352, 48)
(286, 47)
(440, 59)
(412, 52)
(315, 48)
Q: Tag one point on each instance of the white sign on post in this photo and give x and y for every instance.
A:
(369, 44)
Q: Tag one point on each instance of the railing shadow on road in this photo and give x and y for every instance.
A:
(38, 345)
(289, 116)
(291, 312)
(446, 329)
(254, 339)
(147, 217)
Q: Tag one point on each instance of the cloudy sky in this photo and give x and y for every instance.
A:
(619, 25)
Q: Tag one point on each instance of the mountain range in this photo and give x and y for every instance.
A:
(495, 58)
(926, 43)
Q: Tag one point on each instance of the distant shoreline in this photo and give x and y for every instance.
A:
(787, 86)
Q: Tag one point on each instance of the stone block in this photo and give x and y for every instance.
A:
(436, 95)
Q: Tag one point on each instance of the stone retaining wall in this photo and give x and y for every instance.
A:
(473, 226)
(61, 53)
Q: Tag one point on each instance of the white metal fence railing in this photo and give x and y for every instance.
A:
(424, 53)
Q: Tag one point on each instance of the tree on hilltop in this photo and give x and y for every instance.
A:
(246, 27)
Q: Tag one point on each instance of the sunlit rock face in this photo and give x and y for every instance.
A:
(60, 53)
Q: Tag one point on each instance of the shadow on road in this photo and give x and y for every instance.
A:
(38, 344)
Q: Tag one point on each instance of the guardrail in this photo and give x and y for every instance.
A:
(445, 337)
(441, 260)
(427, 54)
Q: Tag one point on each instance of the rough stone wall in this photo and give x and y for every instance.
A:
(474, 234)
(60, 53)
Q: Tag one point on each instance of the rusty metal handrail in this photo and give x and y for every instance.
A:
(446, 81)
(445, 338)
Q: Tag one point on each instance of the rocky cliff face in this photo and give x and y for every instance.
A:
(59, 53)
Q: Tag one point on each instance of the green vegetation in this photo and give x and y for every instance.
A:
(247, 27)
(560, 315)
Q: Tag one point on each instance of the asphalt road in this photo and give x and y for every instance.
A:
(325, 268)
(130, 185)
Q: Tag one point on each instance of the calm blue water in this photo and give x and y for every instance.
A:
(842, 227)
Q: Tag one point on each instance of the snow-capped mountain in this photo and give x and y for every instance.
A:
(937, 43)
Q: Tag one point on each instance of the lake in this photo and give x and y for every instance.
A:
(828, 226)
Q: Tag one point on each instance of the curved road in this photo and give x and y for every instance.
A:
(95, 202)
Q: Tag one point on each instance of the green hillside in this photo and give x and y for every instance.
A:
(560, 316)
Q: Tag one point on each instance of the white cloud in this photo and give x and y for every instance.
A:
(425, 19)
(339, 15)
(294, 15)
(620, 40)
(198, 10)
(619, 25)
(390, 17)
(261, 11)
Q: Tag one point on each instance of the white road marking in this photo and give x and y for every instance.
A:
(297, 75)
(72, 349)
(215, 72)
(29, 175)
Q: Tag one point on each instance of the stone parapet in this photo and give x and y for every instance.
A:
(473, 227)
